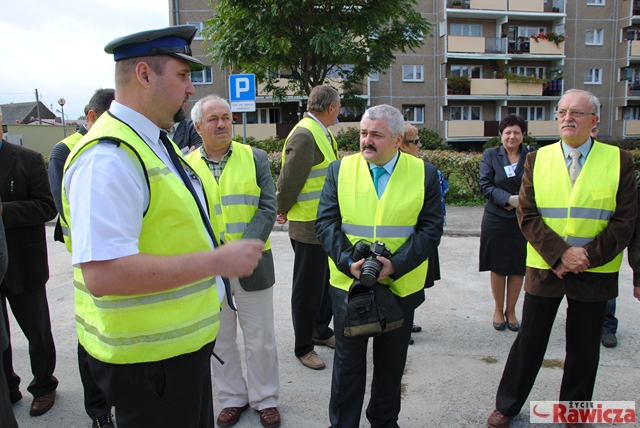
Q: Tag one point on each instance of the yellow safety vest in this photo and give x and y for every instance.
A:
(306, 206)
(72, 140)
(391, 219)
(153, 326)
(236, 197)
(579, 213)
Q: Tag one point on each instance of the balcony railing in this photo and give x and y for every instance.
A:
(495, 45)
(476, 44)
(502, 5)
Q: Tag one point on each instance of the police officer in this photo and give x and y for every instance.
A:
(147, 298)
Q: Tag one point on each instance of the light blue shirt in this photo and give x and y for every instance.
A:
(384, 178)
(584, 149)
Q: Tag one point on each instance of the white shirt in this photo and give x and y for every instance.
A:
(108, 195)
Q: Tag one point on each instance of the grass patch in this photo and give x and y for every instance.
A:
(489, 360)
(553, 364)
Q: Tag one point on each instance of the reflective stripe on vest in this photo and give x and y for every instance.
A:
(235, 198)
(306, 206)
(152, 326)
(392, 219)
(580, 213)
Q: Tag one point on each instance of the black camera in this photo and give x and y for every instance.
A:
(371, 267)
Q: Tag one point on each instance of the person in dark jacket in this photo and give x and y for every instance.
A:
(502, 246)
(7, 418)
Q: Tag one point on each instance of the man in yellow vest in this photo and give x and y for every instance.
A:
(95, 403)
(147, 295)
(308, 151)
(577, 209)
(380, 194)
(237, 181)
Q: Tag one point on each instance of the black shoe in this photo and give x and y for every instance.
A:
(500, 325)
(513, 327)
(416, 329)
(411, 340)
(609, 340)
(103, 421)
(14, 397)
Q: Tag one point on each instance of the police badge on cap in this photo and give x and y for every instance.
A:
(174, 41)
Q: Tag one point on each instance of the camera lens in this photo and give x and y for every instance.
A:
(370, 271)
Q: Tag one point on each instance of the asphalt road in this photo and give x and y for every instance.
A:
(452, 370)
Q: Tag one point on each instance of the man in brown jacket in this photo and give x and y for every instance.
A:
(309, 149)
(577, 212)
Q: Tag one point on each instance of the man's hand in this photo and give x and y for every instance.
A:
(387, 268)
(576, 259)
(238, 258)
(636, 292)
(281, 218)
(356, 268)
(561, 271)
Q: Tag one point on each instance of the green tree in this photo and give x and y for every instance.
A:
(304, 42)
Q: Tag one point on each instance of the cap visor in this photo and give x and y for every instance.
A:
(194, 64)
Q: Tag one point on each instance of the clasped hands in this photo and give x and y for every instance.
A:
(574, 260)
(387, 268)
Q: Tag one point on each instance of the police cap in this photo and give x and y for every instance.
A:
(174, 41)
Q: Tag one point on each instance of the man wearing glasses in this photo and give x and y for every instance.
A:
(576, 212)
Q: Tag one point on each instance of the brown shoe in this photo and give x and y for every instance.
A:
(270, 417)
(330, 342)
(312, 360)
(42, 404)
(229, 416)
(498, 420)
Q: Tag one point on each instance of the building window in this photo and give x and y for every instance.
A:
(633, 34)
(528, 71)
(465, 113)
(631, 113)
(413, 73)
(413, 114)
(473, 71)
(528, 112)
(594, 37)
(593, 76)
(530, 31)
(264, 116)
(465, 30)
(202, 77)
(374, 77)
(595, 2)
(338, 72)
(200, 26)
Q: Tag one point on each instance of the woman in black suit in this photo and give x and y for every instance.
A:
(502, 245)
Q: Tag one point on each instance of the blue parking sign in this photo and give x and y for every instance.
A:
(242, 92)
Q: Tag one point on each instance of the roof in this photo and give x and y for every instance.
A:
(24, 112)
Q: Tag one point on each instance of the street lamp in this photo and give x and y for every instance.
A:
(61, 101)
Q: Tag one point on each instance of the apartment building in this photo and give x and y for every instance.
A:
(486, 59)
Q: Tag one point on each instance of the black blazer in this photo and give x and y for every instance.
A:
(186, 135)
(495, 186)
(27, 204)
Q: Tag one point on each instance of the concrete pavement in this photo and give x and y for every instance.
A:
(452, 370)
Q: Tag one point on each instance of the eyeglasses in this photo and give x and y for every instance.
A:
(574, 113)
(416, 141)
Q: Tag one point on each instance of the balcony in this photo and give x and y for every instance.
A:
(526, 6)
(632, 128)
(529, 89)
(534, 6)
(634, 49)
(465, 129)
(636, 7)
(476, 45)
(489, 87)
(543, 128)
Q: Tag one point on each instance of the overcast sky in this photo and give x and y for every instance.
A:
(57, 47)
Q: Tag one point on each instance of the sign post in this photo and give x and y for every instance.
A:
(242, 94)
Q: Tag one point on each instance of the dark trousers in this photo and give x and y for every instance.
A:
(583, 330)
(95, 403)
(348, 380)
(310, 301)
(610, 320)
(7, 417)
(175, 392)
(31, 310)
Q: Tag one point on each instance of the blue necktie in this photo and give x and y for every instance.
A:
(205, 218)
(378, 172)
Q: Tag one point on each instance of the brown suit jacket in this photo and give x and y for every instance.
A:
(27, 205)
(586, 286)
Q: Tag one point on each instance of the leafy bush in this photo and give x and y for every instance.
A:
(462, 170)
(431, 140)
(349, 139)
